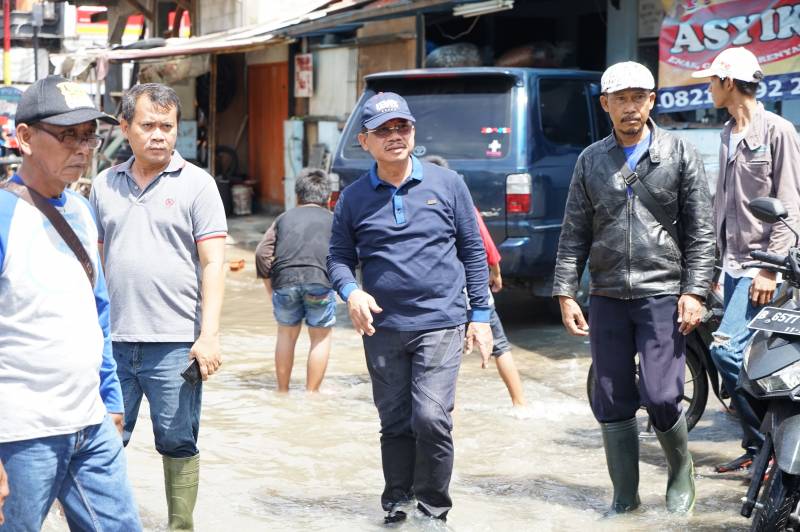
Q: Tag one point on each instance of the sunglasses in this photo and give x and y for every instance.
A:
(385, 132)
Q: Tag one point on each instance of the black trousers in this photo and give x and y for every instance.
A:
(618, 329)
(414, 388)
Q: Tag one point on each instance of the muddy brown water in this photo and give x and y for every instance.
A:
(301, 462)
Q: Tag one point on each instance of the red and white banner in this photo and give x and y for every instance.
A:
(694, 32)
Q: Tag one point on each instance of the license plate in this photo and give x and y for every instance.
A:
(778, 320)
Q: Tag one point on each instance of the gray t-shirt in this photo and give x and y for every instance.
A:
(149, 242)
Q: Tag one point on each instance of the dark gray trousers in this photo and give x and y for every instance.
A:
(414, 387)
(620, 328)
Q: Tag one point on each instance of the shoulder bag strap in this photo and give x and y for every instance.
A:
(651, 204)
(59, 223)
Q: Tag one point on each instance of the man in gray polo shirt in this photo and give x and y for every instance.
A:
(161, 227)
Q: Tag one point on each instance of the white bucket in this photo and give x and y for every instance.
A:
(242, 196)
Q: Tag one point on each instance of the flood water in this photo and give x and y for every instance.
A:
(312, 462)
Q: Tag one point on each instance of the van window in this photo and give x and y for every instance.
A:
(563, 111)
(457, 118)
(601, 119)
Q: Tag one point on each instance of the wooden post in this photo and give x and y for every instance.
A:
(7, 42)
(420, 31)
(212, 117)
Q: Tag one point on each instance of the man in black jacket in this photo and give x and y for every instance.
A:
(647, 288)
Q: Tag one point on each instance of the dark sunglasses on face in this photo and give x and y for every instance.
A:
(70, 140)
(385, 132)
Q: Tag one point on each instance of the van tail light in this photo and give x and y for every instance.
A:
(518, 194)
(334, 179)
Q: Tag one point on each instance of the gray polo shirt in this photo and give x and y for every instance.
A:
(149, 242)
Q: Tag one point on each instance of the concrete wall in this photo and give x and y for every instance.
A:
(216, 15)
(622, 34)
(335, 82)
(278, 53)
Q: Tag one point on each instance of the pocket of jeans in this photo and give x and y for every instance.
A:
(320, 300)
(318, 295)
(281, 298)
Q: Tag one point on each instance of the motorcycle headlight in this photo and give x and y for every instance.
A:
(785, 379)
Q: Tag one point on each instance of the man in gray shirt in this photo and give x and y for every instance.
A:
(759, 156)
(162, 232)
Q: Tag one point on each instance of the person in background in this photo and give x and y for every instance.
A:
(4, 141)
(291, 259)
(759, 156)
(501, 348)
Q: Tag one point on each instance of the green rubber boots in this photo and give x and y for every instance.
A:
(621, 442)
(680, 469)
(181, 479)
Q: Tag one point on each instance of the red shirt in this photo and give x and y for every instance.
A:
(492, 255)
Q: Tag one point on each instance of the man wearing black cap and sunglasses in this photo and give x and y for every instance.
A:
(58, 379)
(411, 227)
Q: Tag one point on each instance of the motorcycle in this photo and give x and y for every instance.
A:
(771, 377)
(701, 373)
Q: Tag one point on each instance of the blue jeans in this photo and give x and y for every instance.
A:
(84, 470)
(414, 388)
(727, 351)
(153, 369)
(315, 302)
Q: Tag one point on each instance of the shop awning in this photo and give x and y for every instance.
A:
(371, 11)
(289, 20)
(230, 41)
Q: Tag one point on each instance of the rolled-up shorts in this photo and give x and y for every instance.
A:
(500, 343)
(314, 302)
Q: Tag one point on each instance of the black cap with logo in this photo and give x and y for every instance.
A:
(58, 101)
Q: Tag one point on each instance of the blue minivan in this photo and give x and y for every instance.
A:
(513, 133)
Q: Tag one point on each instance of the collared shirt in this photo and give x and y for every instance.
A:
(56, 365)
(766, 163)
(149, 242)
(418, 245)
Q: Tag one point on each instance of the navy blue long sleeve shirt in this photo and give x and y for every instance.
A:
(418, 246)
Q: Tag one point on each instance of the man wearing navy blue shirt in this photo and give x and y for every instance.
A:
(411, 227)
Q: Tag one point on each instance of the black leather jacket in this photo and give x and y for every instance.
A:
(630, 254)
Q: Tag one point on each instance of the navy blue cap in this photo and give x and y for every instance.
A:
(383, 107)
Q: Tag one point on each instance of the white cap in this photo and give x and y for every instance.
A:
(627, 75)
(736, 63)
